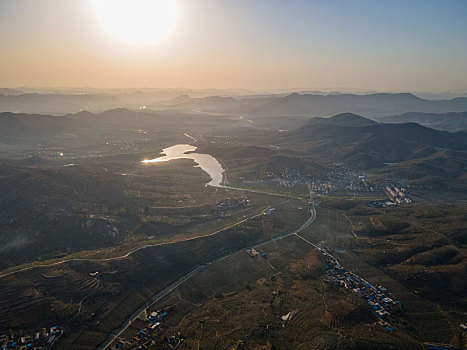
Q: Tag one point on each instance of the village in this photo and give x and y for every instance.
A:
(40, 340)
(230, 203)
(384, 306)
(145, 337)
(340, 178)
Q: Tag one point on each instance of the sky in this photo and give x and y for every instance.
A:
(407, 45)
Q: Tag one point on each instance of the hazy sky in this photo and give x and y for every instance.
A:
(405, 45)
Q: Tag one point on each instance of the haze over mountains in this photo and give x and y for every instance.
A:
(295, 104)
(85, 127)
(453, 121)
(233, 175)
(346, 137)
(343, 119)
(73, 184)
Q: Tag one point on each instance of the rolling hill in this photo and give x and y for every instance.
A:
(343, 119)
(453, 121)
(370, 146)
(37, 131)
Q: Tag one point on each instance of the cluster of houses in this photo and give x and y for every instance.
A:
(342, 178)
(384, 305)
(285, 177)
(339, 178)
(397, 194)
(230, 203)
(144, 338)
(321, 187)
(256, 252)
(173, 341)
(287, 182)
(42, 340)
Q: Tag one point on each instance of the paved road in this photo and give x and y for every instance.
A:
(114, 335)
(253, 191)
(140, 248)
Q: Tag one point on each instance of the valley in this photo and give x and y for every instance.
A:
(233, 175)
(101, 233)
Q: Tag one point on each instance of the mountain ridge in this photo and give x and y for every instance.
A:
(343, 119)
(451, 121)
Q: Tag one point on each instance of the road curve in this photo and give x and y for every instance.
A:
(139, 248)
(155, 298)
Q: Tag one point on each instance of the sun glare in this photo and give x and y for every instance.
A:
(137, 22)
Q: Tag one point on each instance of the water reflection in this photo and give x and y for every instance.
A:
(205, 161)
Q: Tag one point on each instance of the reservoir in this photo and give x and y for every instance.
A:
(206, 162)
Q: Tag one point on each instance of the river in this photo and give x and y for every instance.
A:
(206, 162)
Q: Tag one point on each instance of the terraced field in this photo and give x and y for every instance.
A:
(251, 316)
(54, 293)
(217, 310)
(374, 254)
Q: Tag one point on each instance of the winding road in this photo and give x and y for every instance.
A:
(155, 298)
(140, 248)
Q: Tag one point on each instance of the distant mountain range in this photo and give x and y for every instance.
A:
(453, 121)
(373, 105)
(6, 91)
(295, 104)
(59, 104)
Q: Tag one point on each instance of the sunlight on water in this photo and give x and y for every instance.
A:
(206, 162)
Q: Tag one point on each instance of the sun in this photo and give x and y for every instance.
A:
(137, 22)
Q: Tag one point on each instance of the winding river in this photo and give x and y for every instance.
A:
(206, 162)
